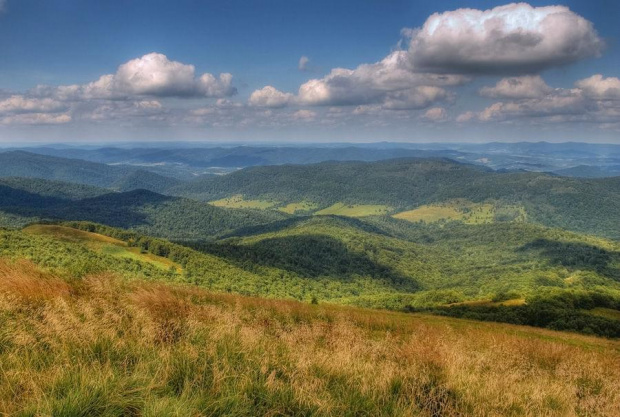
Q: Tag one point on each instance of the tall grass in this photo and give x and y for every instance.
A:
(102, 346)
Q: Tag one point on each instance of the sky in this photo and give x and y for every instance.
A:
(309, 71)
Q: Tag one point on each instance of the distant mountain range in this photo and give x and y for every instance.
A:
(187, 160)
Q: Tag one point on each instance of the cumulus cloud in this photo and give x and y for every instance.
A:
(125, 110)
(372, 83)
(512, 39)
(35, 119)
(415, 98)
(466, 116)
(436, 114)
(566, 102)
(304, 115)
(453, 46)
(594, 99)
(21, 104)
(599, 87)
(18, 109)
(303, 63)
(528, 86)
(271, 97)
(150, 75)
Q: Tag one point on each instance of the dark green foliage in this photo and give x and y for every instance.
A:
(557, 310)
(309, 256)
(578, 256)
(141, 210)
(49, 188)
(145, 180)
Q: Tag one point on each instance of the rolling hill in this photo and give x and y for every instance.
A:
(118, 177)
(145, 180)
(583, 205)
(142, 210)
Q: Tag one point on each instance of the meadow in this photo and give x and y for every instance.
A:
(106, 346)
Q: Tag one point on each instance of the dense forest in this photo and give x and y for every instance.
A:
(142, 210)
(583, 205)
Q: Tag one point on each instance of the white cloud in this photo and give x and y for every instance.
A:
(516, 38)
(304, 115)
(370, 83)
(35, 119)
(103, 111)
(303, 63)
(466, 116)
(148, 104)
(566, 102)
(512, 39)
(528, 86)
(21, 104)
(2, 6)
(150, 75)
(270, 97)
(599, 87)
(415, 98)
(595, 100)
(436, 114)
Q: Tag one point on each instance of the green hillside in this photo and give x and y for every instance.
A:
(145, 180)
(140, 210)
(30, 165)
(582, 205)
(50, 188)
(118, 177)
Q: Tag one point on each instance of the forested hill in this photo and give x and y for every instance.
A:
(141, 210)
(26, 164)
(51, 188)
(145, 180)
(395, 181)
(118, 177)
(583, 205)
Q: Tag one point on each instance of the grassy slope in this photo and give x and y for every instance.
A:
(354, 210)
(347, 261)
(103, 346)
(476, 260)
(237, 201)
(464, 211)
(101, 244)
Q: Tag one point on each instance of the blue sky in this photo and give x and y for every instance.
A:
(554, 75)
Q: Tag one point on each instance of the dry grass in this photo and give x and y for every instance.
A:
(461, 210)
(354, 210)
(102, 346)
(238, 201)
